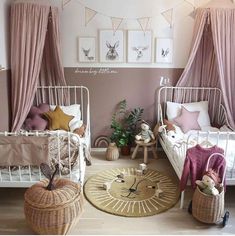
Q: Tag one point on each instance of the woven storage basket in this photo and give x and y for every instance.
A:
(55, 211)
(206, 208)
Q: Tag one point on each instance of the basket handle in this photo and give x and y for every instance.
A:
(208, 162)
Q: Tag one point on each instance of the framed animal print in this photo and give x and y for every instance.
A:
(111, 46)
(87, 49)
(164, 50)
(139, 46)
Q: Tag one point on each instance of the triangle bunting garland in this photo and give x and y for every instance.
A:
(89, 15)
(190, 3)
(65, 2)
(144, 21)
(168, 15)
(116, 22)
(193, 14)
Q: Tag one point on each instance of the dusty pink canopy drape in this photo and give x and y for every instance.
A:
(212, 59)
(29, 30)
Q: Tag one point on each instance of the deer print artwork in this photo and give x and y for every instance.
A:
(86, 54)
(112, 53)
(140, 51)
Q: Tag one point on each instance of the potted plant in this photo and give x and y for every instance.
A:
(124, 124)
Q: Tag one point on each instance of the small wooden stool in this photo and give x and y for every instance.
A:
(145, 147)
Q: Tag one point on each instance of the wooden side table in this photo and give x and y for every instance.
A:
(145, 146)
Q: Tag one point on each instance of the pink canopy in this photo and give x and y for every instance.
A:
(212, 59)
(35, 54)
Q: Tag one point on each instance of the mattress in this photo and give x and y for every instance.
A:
(178, 147)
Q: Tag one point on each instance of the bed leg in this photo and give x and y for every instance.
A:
(182, 200)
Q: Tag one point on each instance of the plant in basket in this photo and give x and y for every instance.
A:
(124, 124)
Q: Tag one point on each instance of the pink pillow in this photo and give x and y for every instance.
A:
(34, 120)
(40, 109)
(188, 120)
(35, 123)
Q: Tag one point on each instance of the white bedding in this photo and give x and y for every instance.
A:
(178, 144)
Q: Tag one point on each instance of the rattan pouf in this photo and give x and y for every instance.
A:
(53, 211)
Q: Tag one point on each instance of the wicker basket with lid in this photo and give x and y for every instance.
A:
(53, 211)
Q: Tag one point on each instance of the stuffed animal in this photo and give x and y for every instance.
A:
(209, 180)
(80, 131)
(168, 127)
(146, 134)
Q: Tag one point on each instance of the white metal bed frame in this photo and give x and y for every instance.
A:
(217, 114)
(56, 95)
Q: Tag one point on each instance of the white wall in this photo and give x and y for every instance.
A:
(73, 26)
(4, 33)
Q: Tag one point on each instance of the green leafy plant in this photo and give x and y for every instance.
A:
(124, 124)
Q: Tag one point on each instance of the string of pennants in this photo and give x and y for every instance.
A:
(143, 21)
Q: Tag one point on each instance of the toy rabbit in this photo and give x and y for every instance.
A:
(209, 180)
(146, 134)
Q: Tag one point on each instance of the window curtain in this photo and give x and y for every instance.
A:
(211, 61)
(35, 47)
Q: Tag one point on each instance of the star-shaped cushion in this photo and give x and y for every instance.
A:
(58, 119)
(188, 120)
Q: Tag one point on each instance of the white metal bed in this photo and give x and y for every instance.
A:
(176, 153)
(54, 95)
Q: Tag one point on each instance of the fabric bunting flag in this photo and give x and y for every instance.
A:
(65, 2)
(89, 15)
(168, 15)
(193, 14)
(116, 22)
(190, 2)
(144, 21)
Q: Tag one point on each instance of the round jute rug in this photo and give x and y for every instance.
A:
(132, 195)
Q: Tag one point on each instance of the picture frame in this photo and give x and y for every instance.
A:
(87, 49)
(111, 46)
(139, 46)
(164, 50)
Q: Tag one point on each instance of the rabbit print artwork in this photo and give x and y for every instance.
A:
(140, 51)
(112, 53)
(86, 54)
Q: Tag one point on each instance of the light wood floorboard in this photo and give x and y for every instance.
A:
(94, 221)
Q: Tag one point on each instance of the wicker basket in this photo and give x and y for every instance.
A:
(206, 208)
(112, 152)
(55, 211)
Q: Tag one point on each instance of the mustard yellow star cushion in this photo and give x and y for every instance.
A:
(58, 119)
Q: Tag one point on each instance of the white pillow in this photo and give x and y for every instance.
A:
(225, 128)
(174, 109)
(74, 124)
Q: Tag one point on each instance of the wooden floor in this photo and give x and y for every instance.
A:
(93, 221)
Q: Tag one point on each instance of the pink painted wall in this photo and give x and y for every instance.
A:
(137, 85)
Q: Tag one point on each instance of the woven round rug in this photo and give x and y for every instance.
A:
(130, 194)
